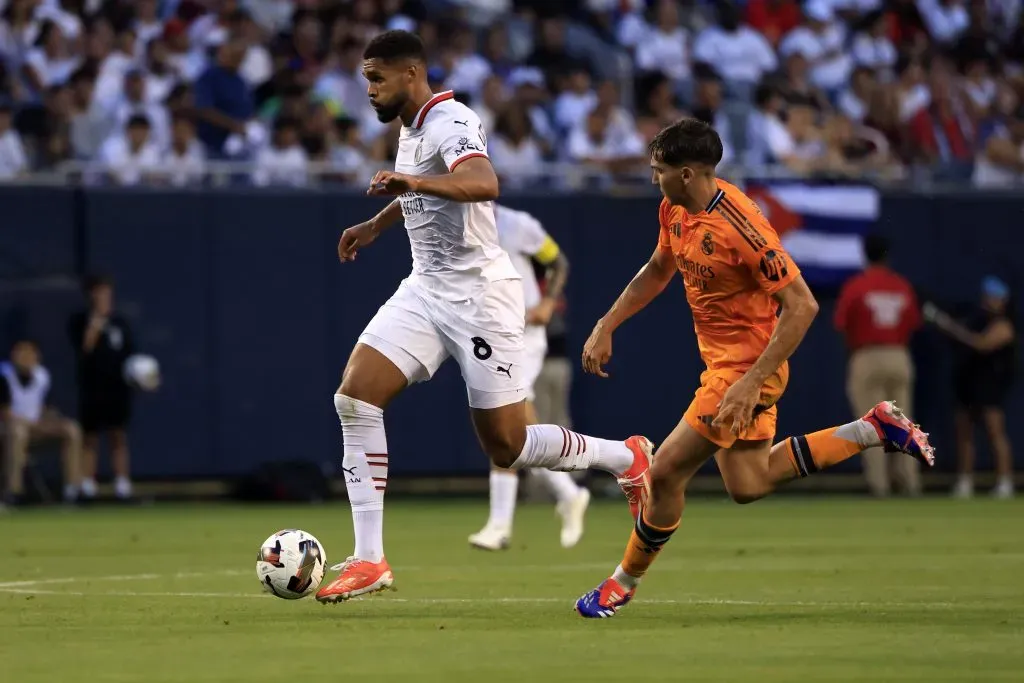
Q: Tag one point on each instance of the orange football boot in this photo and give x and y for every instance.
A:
(358, 577)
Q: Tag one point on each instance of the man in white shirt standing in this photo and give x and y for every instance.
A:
(525, 240)
(463, 299)
(24, 385)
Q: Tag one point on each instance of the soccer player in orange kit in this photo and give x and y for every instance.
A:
(751, 308)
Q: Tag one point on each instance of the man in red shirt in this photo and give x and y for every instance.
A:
(877, 313)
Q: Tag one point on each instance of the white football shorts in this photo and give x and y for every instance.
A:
(417, 332)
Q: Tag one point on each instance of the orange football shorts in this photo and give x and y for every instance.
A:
(713, 385)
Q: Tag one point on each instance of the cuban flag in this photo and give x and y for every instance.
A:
(821, 226)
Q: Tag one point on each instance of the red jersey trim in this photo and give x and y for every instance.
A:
(465, 158)
(436, 99)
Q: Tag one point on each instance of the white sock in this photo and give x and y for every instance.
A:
(557, 448)
(860, 432)
(365, 468)
(89, 488)
(559, 483)
(504, 486)
(625, 580)
(70, 492)
(123, 487)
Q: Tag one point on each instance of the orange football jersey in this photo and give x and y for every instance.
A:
(732, 261)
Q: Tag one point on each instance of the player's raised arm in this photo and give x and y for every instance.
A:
(641, 290)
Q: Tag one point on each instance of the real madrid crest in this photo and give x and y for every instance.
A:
(707, 245)
(419, 152)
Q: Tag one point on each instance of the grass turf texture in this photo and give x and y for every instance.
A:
(785, 590)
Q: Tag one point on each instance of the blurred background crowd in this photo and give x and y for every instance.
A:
(166, 91)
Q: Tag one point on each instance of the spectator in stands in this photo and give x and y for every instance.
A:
(912, 93)
(147, 24)
(133, 103)
(18, 30)
(773, 18)
(283, 161)
(113, 66)
(657, 105)
(796, 86)
(821, 40)
(13, 160)
(131, 157)
(740, 55)
(854, 150)
(872, 47)
(854, 102)
(795, 144)
(945, 20)
(529, 90)
(979, 87)
(50, 63)
(466, 69)
(517, 154)
(103, 341)
(666, 46)
(493, 99)
(1001, 162)
(257, 66)
(345, 156)
(161, 76)
(707, 107)
(942, 134)
(576, 101)
(188, 61)
(27, 421)
(984, 374)
(224, 103)
(877, 313)
(595, 146)
(184, 162)
(551, 55)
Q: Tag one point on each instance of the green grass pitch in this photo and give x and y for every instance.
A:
(787, 590)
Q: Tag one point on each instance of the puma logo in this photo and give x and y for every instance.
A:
(507, 371)
(463, 123)
(349, 470)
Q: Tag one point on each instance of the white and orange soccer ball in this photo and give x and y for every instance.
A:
(290, 564)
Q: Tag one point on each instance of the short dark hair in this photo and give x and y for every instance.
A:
(876, 248)
(687, 141)
(392, 45)
(138, 121)
(92, 282)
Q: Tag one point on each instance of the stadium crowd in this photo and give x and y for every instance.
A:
(164, 90)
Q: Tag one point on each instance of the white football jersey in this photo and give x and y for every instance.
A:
(455, 250)
(522, 236)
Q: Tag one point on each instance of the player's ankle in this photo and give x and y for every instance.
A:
(624, 579)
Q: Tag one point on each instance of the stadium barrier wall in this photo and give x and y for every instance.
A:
(240, 296)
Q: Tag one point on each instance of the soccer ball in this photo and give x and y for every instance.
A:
(290, 564)
(142, 371)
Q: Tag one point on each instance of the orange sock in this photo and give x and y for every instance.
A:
(644, 545)
(819, 450)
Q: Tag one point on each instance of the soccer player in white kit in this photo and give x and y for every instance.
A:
(463, 299)
(524, 239)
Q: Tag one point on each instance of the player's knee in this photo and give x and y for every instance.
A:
(504, 447)
(746, 494)
(353, 411)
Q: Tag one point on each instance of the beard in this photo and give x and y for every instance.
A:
(389, 112)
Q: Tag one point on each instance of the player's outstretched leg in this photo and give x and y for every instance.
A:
(511, 444)
(369, 384)
(800, 456)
